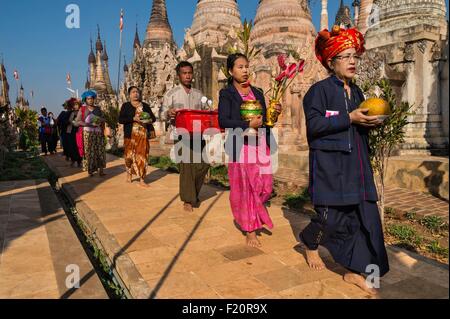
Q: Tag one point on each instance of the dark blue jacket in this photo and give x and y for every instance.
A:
(230, 102)
(340, 169)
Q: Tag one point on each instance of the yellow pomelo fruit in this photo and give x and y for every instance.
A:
(376, 106)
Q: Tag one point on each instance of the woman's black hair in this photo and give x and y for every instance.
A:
(231, 61)
(134, 87)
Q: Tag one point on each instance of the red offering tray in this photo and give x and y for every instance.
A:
(208, 119)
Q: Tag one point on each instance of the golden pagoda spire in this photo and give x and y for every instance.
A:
(99, 84)
(105, 59)
(159, 31)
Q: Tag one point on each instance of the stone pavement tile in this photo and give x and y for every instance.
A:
(345, 289)
(37, 236)
(174, 240)
(12, 285)
(204, 293)
(273, 243)
(279, 221)
(166, 230)
(27, 247)
(194, 261)
(280, 279)
(106, 214)
(14, 232)
(284, 230)
(289, 257)
(393, 276)
(39, 295)
(2, 244)
(219, 274)
(16, 189)
(217, 242)
(405, 263)
(312, 290)
(308, 275)
(437, 275)
(28, 211)
(14, 264)
(22, 226)
(414, 288)
(239, 252)
(187, 222)
(141, 242)
(203, 233)
(122, 226)
(261, 264)
(242, 287)
(273, 295)
(148, 255)
(154, 269)
(178, 284)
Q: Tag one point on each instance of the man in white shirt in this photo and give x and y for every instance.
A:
(184, 96)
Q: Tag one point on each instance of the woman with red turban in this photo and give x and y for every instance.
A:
(341, 186)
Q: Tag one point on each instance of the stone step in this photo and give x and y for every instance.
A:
(39, 249)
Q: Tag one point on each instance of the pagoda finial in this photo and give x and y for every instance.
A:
(91, 58)
(159, 30)
(105, 54)
(99, 45)
(137, 41)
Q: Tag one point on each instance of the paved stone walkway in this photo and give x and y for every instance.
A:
(37, 242)
(402, 200)
(160, 251)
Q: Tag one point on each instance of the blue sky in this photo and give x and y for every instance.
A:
(35, 41)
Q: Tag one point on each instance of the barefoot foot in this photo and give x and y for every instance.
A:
(359, 281)
(143, 184)
(252, 240)
(314, 260)
(129, 178)
(188, 207)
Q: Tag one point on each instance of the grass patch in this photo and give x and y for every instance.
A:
(23, 165)
(433, 223)
(117, 152)
(405, 234)
(411, 216)
(165, 163)
(297, 201)
(218, 175)
(435, 248)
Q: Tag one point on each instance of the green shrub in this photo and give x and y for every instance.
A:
(435, 248)
(411, 215)
(297, 200)
(405, 234)
(433, 223)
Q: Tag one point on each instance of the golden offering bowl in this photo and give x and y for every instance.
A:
(250, 109)
(272, 114)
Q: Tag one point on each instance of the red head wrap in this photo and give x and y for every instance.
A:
(71, 102)
(330, 44)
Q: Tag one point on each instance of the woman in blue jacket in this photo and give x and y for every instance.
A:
(249, 169)
(342, 187)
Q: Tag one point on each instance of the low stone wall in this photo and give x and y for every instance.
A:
(428, 174)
